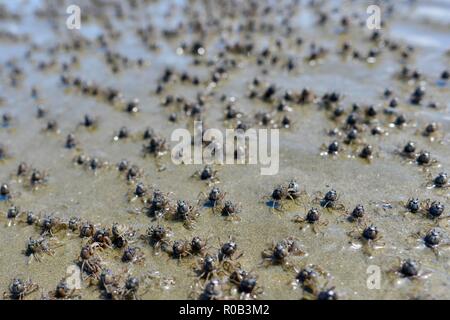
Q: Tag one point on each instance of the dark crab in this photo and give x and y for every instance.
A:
(409, 269)
(13, 214)
(128, 291)
(121, 134)
(207, 267)
(357, 214)
(213, 291)
(246, 284)
(229, 250)
(63, 291)
(122, 235)
(431, 131)
(31, 218)
(89, 122)
(109, 282)
(133, 255)
(156, 146)
(293, 190)
(158, 236)
(180, 249)
(102, 237)
(366, 152)
(86, 230)
(352, 137)
(95, 164)
(51, 224)
(22, 169)
(185, 212)
(264, 118)
(324, 293)
(312, 219)
(440, 181)
(74, 224)
(207, 174)
(333, 148)
(214, 198)
(432, 239)
(230, 210)
(424, 159)
(132, 106)
(285, 122)
(329, 200)
(309, 277)
(5, 192)
(36, 248)
(81, 160)
(51, 126)
(281, 251)
(280, 193)
(434, 210)
(19, 289)
(123, 165)
(71, 141)
(89, 261)
(232, 113)
(369, 236)
(139, 192)
(198, 246)
(159, 205)
(38, 178)
(132, 173)
(409, 151)
(413, 205)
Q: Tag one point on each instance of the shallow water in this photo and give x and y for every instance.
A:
(101, 197)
